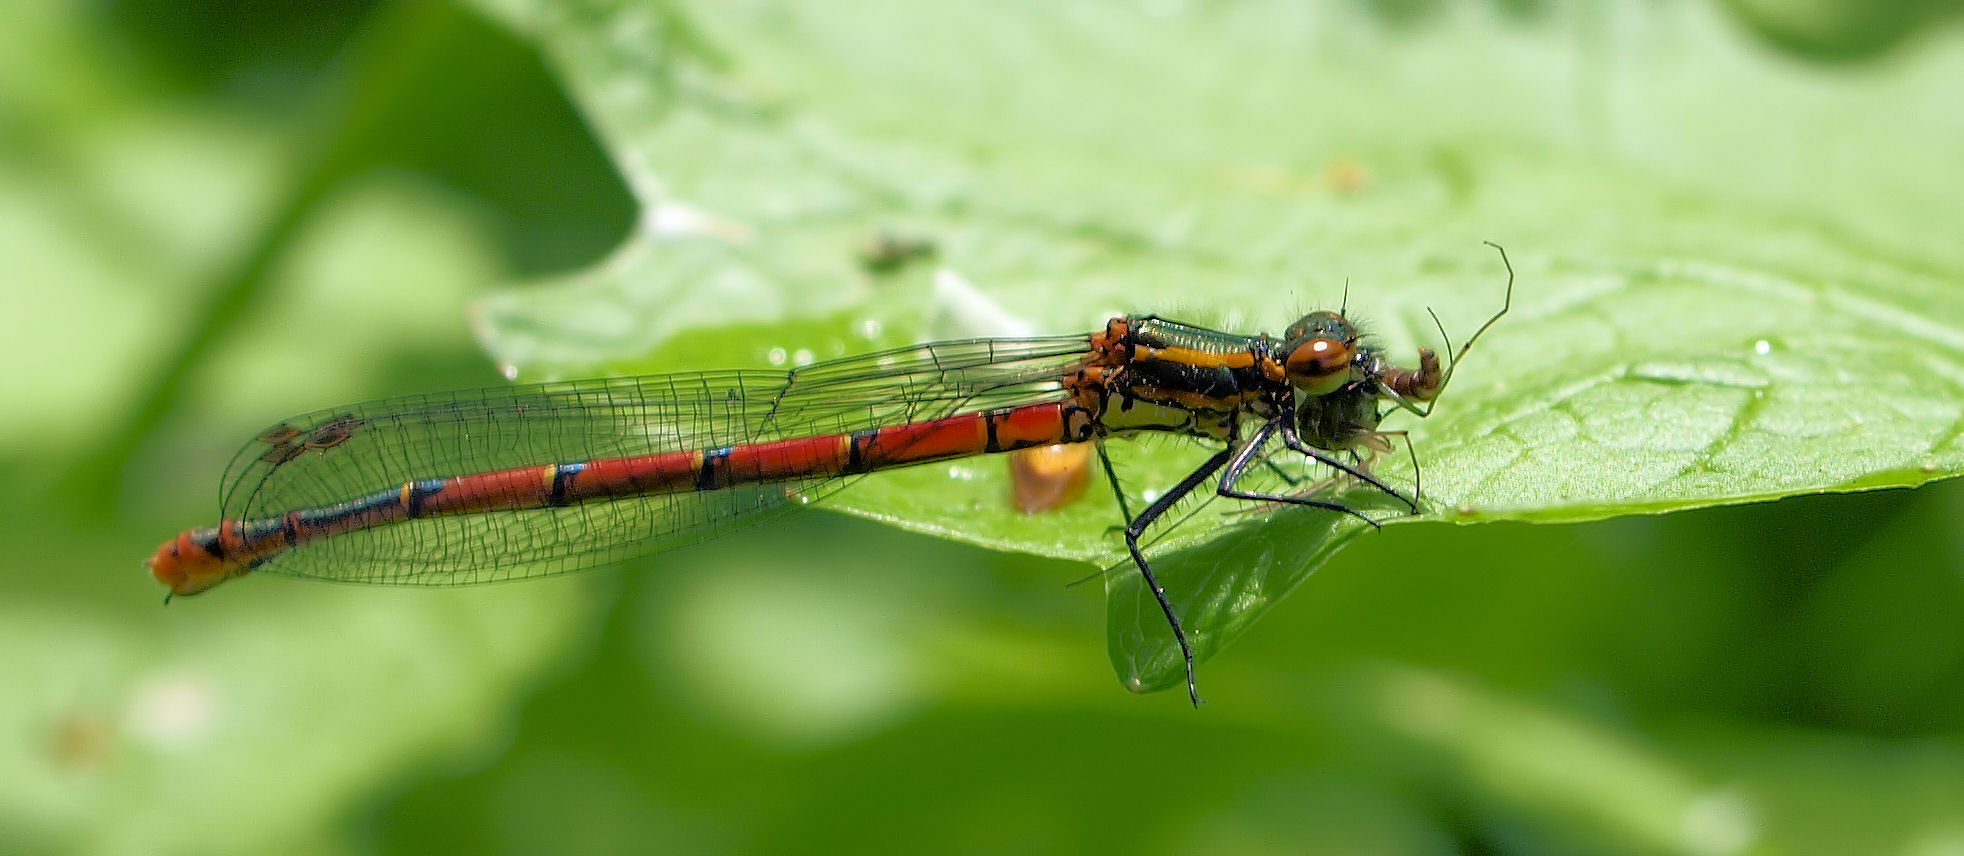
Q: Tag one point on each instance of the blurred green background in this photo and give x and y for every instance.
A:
(213, 215)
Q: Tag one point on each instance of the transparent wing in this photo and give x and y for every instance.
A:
(329, 457)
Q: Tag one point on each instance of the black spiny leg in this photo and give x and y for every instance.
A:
(1138, 527)
(1111, 477)
(1246, 455)
(1295, 443)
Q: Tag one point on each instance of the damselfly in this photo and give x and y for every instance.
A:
(524, 481)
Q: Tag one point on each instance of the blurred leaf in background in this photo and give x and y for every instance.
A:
(1740, 280)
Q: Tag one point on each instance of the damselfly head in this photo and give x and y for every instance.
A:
(1343, 420)
(1346, 420)
(1321, 324)
(1318, 352)
(1346, 417)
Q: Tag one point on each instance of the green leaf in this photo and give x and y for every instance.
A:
(147, 227)
(1715, 305)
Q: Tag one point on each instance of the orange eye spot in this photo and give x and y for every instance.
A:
(1319, 366)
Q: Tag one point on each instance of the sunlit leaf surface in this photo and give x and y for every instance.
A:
(1685, 333)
